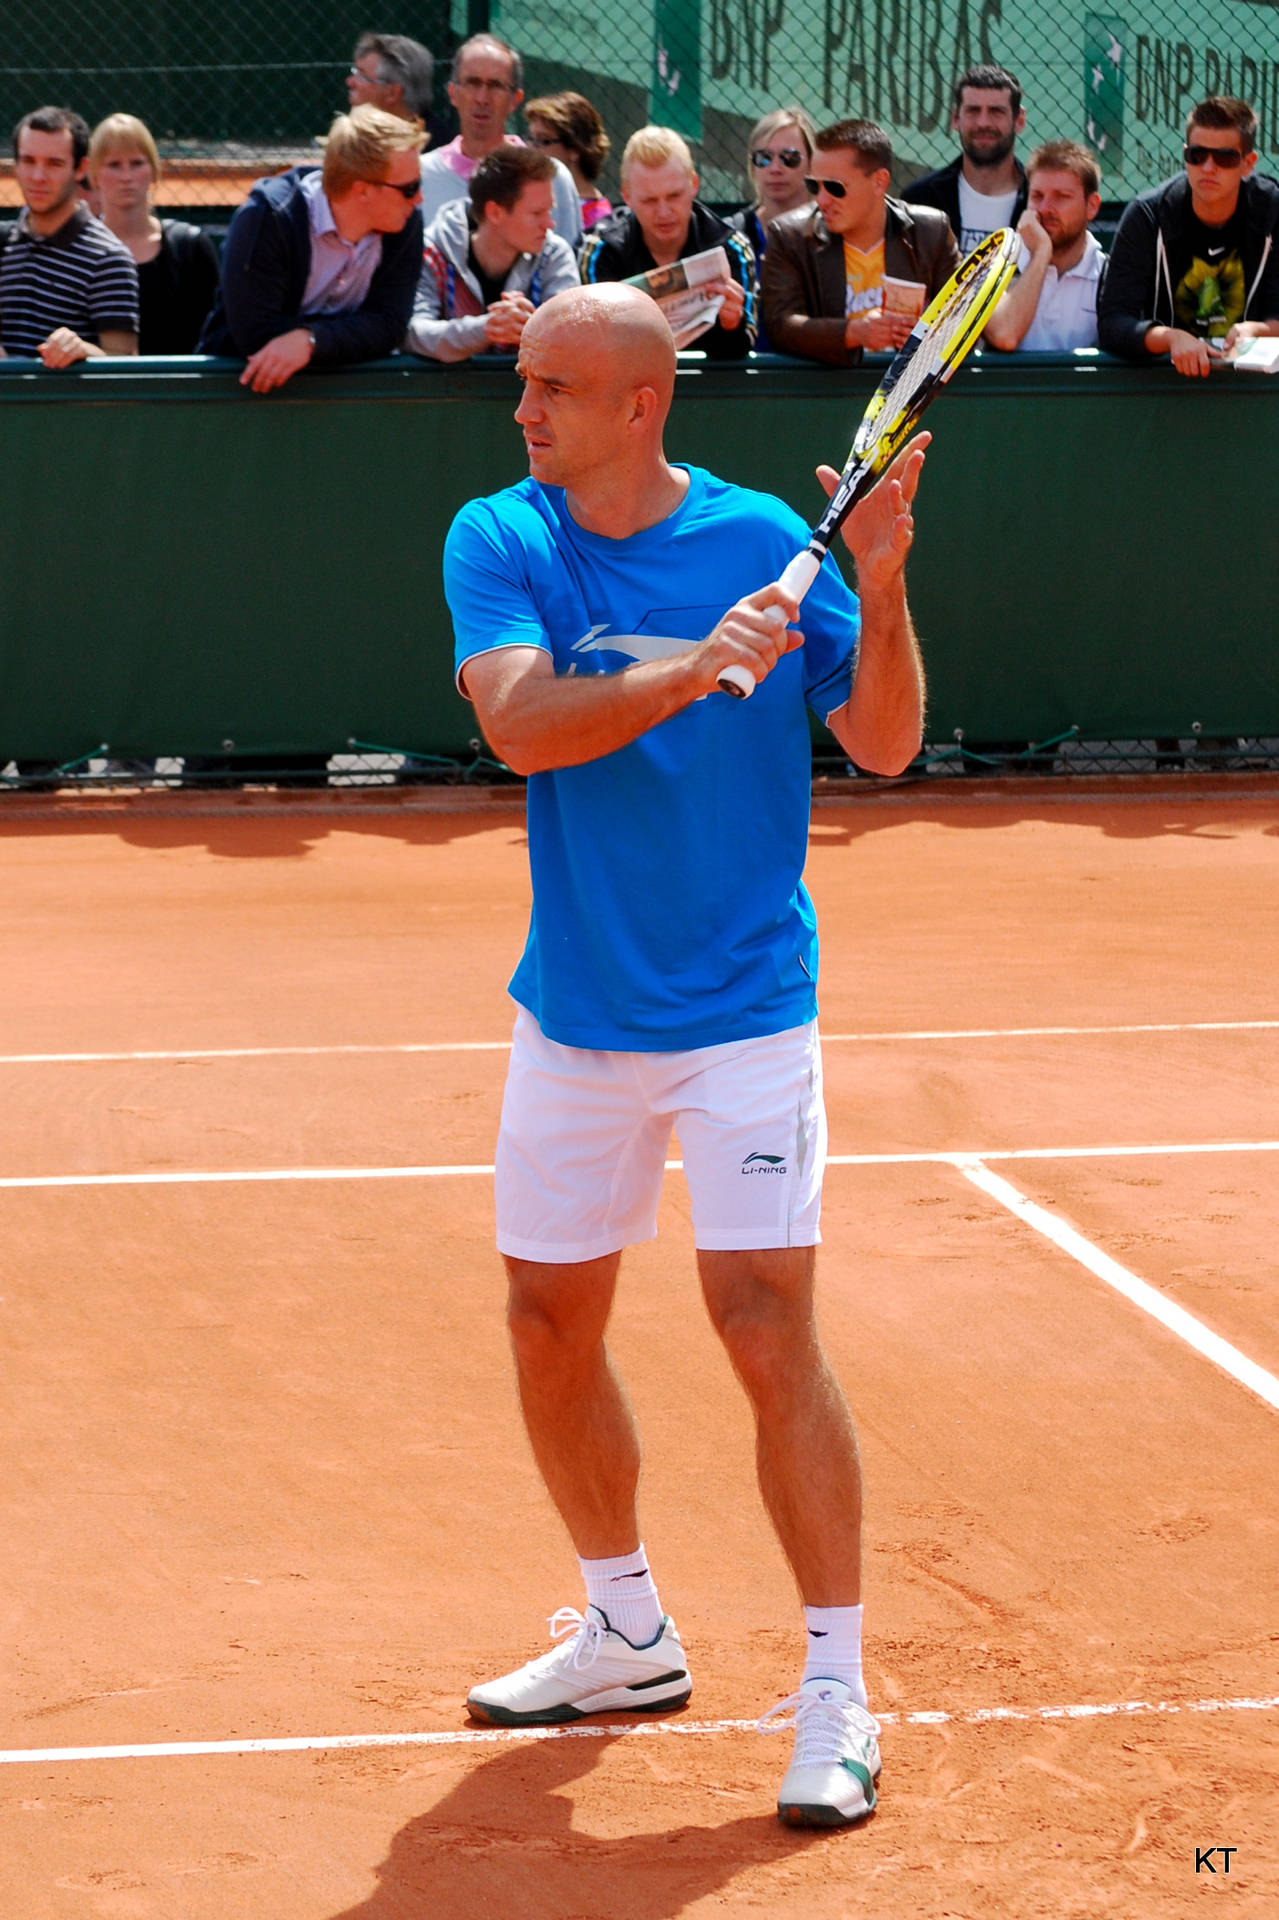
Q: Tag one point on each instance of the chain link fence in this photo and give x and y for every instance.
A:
(240, 89)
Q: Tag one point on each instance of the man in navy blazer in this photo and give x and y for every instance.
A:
(321, 265)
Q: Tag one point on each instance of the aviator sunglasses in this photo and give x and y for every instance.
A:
(790, 157)
(1197, 156)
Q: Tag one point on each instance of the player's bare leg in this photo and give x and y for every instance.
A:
(577, 1415)
(585, 1443)
(761, 1304)
(810, 1476)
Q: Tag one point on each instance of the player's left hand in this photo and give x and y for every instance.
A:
(63, 348)
(879, 530)
(730, 314)
(277, 361)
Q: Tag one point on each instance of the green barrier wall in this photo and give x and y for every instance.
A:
(183, 564)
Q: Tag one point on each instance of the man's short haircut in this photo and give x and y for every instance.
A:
(869, 142)
(56, 120)
(122, 133)
(988, 78)
(1227, 114)
(360, 145)
(776, 122)
(403, 60)
(491, 42)
(1067, 156)
(576, 125)
(503, 175)
(656, 147)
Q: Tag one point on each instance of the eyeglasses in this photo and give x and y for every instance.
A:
(835, 188)
(545, 140)
(790, 157)
(1197, 156)
(409, 188)
(476, 85)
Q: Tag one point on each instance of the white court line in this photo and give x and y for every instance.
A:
(1204, 1341)
(503, 1046)
(464, 1170)
(490, 1736)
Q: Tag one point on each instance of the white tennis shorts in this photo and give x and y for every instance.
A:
(584, 1138)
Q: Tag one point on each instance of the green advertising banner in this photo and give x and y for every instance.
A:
(675, 90)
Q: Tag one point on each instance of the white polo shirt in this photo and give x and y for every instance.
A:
(1066, 316)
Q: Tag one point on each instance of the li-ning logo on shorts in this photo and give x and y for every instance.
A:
(764, 1163)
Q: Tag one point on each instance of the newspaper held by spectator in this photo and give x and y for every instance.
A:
(689, 292)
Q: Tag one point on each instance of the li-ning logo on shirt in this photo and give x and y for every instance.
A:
(634, 646)
(764, 1163)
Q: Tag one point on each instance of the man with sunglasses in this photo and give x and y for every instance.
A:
(321, 265)
(1194, 270)
(824, 274)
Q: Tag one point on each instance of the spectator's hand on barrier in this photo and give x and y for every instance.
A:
(1191, 355)
(63, 348)
(277, 361)
(1245, 330)
(876, 330)
(1035, 235)
(507, 318)
(730, 314)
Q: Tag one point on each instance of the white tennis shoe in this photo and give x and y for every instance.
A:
(597, 1671)
(831, 1778)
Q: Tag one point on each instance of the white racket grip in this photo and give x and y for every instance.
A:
(797, 577)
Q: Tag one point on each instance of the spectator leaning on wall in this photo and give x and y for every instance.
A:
(1051, 307)
(1194, 269)
(320, 266)
(827, 272)
(490, 261)
(663, 221)
(68, 287)
(486, 87)
(985, 188)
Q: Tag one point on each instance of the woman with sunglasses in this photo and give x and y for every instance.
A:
(778, 156)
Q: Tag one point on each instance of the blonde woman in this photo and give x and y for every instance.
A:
(177, 263)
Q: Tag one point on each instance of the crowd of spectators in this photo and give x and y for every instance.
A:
(406, 240)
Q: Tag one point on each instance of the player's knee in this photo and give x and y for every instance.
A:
(545, 1334)
(769, 1344)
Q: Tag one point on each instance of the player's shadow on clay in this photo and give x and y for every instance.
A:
(503, 1843)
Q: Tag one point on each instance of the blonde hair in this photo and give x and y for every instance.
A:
(121, 133)
(656, 147)
(776, 122)
(360, 145)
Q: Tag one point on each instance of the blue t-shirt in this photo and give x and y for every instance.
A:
(668, 906)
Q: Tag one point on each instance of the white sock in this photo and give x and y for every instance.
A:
(835, 1647)
(623, 1590)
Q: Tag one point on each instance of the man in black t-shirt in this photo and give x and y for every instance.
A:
(1194, 270)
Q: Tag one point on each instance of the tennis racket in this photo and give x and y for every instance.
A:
(948, 327)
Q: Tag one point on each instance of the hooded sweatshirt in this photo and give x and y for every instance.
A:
(449, 307)
(1165, 270)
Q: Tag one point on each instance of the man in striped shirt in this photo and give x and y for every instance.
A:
(68, 287)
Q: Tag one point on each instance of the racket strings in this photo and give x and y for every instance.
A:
(932, 352)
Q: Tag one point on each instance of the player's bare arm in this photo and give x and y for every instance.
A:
(881, 724)
(536, 719)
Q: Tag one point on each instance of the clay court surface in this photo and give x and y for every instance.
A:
(265, 1477)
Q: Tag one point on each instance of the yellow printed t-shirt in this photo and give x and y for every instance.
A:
(863, 278)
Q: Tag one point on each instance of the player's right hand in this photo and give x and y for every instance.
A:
(754, 634)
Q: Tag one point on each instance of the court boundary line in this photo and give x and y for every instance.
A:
(1150, 1300)
(400, 1047)
(956, 1157)
(489, 1736)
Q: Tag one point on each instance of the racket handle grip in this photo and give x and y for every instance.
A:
(797, 577)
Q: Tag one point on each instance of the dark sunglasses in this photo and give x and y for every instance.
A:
(409, 188)
(789, 156)
(835, 188)
(1198, 156)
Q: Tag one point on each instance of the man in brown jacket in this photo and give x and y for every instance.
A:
(824, 293)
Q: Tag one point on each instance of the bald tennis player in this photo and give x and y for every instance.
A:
(669, 978)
